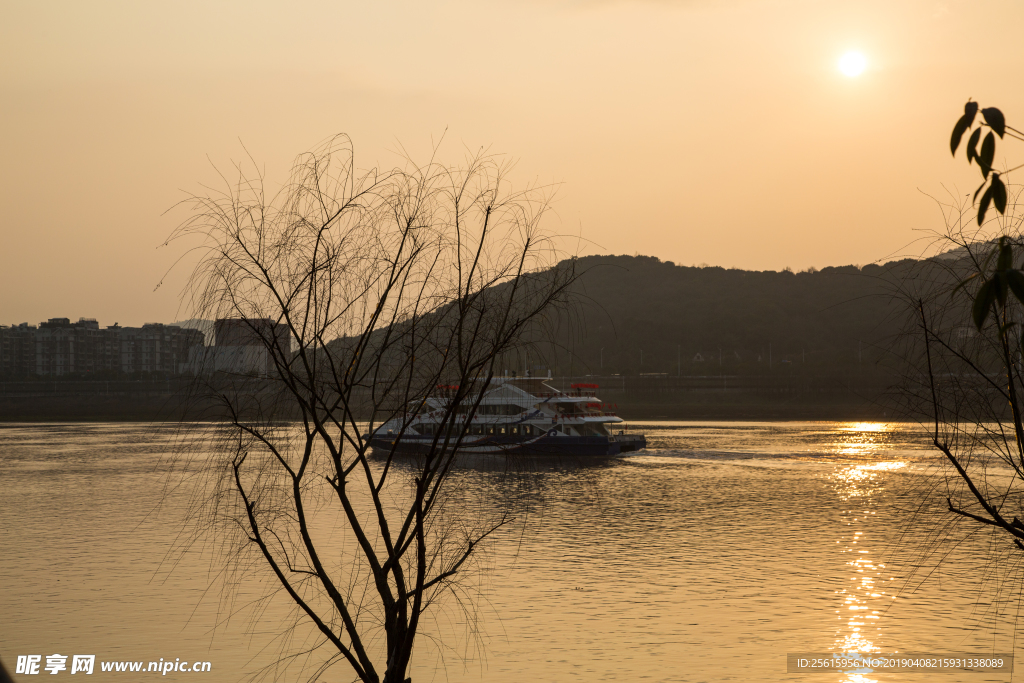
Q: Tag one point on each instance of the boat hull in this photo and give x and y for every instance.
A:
(572, 446)
(631, 442)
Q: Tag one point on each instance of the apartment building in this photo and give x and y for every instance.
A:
(59, 347)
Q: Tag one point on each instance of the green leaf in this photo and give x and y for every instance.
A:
(999, 194)
(1001, 287)
(994, 118)
(988, 153)
(986, 199)
(1005, 260)
(970, 109)
(972, 145)
(958, 132)
(975, 198)
(1015, 279)
(983, 302)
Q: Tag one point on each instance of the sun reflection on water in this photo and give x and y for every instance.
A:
(867, 427)
(861, 439)
(865, 473)
(864, 599)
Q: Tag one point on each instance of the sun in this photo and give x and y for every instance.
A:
(852, 64)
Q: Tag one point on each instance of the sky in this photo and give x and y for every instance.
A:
(701, 132)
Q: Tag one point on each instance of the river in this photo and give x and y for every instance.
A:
(708, 557)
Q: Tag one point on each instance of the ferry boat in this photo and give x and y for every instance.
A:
(515, 416)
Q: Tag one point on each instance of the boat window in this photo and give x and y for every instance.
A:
(515, 430)
(501, 409)
(502, 430)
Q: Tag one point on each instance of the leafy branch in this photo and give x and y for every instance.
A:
(994, 120)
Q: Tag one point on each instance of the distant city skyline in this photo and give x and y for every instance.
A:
(59, 347)
(741, 133)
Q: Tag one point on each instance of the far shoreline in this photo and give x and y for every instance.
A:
(769, 398)
(165, 411)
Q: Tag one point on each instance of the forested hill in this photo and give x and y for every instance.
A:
(730, 321)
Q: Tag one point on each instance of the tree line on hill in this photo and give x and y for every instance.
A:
(641, 315)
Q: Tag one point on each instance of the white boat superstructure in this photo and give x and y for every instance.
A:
(513, 415)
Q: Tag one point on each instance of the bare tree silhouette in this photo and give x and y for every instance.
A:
(355, 295)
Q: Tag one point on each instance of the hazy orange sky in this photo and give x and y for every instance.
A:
(699, 132)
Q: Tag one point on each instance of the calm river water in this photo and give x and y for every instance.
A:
(706, 558)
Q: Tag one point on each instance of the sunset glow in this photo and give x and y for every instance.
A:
(598, 101)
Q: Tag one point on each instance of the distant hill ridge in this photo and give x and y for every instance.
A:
(640, 314)
(711, 320)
